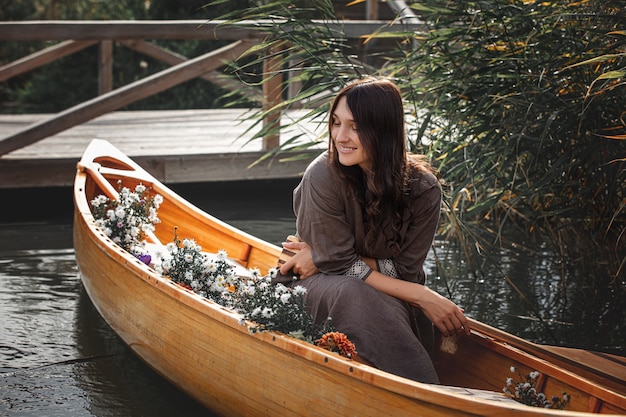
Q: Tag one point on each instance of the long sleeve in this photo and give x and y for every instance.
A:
(421, 228)
(325, 221)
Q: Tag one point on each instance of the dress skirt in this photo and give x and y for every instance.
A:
(382, 328)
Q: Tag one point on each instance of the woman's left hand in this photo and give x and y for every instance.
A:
(301, 263)
(446, 316)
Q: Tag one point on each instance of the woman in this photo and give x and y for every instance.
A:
(367, 212)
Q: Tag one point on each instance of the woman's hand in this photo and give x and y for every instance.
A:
(445, 315)
(301, 263)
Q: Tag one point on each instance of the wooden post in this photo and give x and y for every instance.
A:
(372, 10)
(272, 82)
(105, 67)
(294, 87)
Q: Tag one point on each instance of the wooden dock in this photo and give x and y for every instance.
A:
(176, 146)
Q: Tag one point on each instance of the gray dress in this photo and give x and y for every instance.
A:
(329, 219)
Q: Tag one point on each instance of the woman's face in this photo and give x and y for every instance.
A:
(345, 135)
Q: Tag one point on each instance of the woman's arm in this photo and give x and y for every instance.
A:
(445, 315)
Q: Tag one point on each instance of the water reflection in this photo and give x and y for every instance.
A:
(115, 380)
(528, 297)
(57, 355)
(38, 295)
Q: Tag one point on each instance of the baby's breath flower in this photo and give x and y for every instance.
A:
(525, 392)
(127, 219)
(299, 290)
(267, 312)
(212, 276)
(271, 307)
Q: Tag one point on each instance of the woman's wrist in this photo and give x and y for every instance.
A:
(403, 290)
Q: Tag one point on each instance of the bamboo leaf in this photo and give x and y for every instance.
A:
(611, 75)
(595, 60)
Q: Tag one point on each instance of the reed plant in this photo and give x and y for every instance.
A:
(521, 104)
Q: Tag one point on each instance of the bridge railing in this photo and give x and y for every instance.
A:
(74, 36)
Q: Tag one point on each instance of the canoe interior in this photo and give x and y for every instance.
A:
(187, 221)
(480, 361)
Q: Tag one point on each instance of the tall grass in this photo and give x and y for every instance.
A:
(521, 104)
(525, 104)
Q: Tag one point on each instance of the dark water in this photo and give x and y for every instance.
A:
(59, 358)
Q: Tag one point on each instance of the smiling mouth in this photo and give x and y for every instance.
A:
(346, 149)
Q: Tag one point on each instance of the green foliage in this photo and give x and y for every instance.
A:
(523, 105)
(315, 57)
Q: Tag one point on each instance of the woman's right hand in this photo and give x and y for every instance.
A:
(301, 263)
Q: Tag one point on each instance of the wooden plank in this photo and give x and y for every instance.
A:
(176, 146)
(176, 29)
(372, 9)
(272, 97)
(172, 58)
(123, 96)
(170, 169)
(607, 369)
(161, 132)
(228, 167)
(42, 57)
(122, 29)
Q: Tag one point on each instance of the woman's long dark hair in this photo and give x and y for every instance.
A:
(377, 108)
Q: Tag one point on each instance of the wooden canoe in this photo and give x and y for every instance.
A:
(202, 348)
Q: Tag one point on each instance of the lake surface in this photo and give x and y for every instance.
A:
(59, 358)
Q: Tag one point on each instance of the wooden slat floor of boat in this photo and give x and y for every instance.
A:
(176, 146)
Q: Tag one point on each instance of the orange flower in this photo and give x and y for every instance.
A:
(337, 342)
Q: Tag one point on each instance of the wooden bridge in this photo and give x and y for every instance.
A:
(176, 146)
